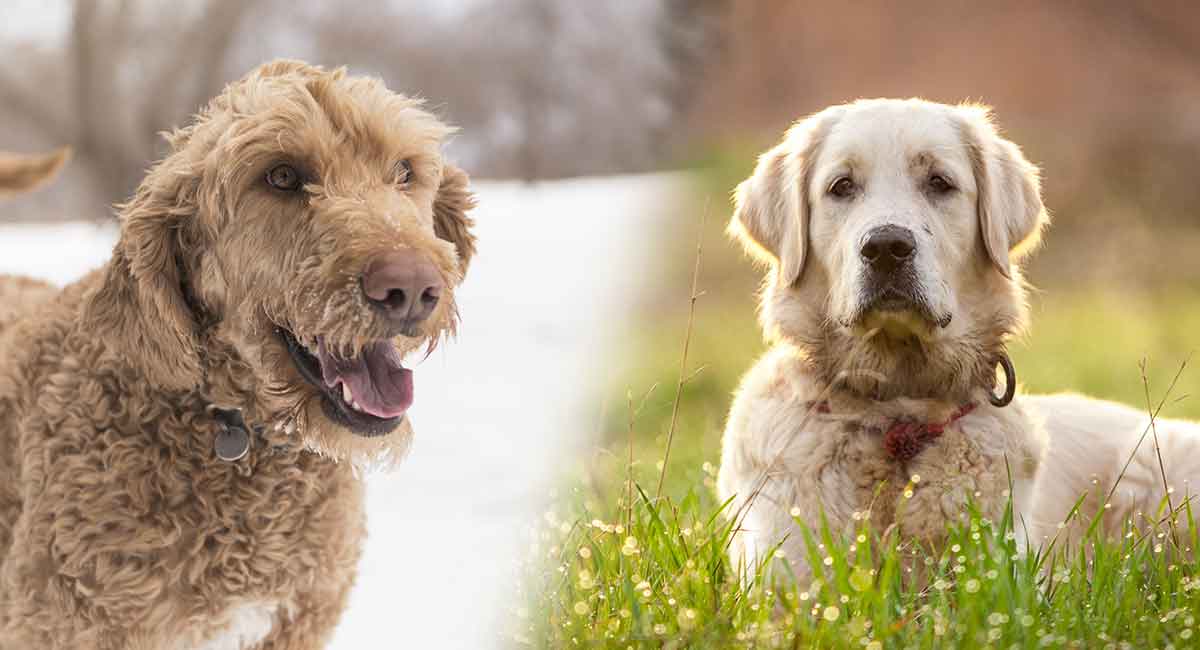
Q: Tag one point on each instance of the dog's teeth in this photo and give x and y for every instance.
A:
(346, 395)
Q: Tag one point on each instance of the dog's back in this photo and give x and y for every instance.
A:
(20, 295)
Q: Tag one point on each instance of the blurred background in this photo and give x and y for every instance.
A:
(1104, 96)
(540, 88)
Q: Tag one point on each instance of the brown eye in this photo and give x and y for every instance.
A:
(939, 184)
(404, 172)
(842, 187)
(284, 177)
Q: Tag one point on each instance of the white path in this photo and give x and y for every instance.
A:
(496, 411)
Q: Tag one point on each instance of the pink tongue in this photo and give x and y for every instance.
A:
(377, 381)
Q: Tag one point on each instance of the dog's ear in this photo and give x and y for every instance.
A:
(140, 309)
(450, 221)
(771, 210)
(1009, 196)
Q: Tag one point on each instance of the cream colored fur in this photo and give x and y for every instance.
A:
(784, 460)
(1091, 442)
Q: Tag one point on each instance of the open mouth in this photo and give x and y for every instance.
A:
(368, 394)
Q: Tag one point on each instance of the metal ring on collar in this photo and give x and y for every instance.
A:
(1010, 382)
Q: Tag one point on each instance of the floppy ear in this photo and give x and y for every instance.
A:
(771, 209)
(450, 221)
(140, 309)
(1011, 214)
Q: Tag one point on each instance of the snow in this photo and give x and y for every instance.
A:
(497, 410)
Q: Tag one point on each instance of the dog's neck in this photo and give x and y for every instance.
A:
(951, 372)
(229, 395)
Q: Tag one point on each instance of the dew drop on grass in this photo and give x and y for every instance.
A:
(860, 579)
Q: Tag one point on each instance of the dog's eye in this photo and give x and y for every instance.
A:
(842, 187)
(404, 172)
(939, 184)
(284, 177)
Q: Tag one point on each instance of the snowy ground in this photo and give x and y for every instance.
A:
(496, 411)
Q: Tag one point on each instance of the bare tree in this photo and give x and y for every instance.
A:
(125, 86)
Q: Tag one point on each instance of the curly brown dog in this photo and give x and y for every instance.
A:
(181, 430)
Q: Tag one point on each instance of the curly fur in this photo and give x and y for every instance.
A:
(119, 528)
(783, 459)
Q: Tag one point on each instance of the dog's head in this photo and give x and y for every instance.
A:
(892, 228)
(302, 238)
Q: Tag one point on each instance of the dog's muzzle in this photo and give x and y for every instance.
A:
(889, 282)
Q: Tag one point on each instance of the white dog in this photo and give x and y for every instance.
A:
(892, 229)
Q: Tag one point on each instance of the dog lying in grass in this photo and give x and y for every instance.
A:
(892, 231)
(180, 430)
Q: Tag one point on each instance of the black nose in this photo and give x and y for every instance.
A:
(888, 248)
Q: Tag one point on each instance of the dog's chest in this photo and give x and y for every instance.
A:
(242, 627)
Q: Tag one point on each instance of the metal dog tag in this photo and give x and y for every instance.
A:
(232, 443)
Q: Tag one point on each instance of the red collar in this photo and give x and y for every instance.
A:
(905, 438)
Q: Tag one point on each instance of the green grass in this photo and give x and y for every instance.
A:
(656, 575)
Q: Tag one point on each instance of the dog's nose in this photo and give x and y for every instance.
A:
(404, 285)
(888, 248)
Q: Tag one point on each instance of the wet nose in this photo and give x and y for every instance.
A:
(888, 248)
(404, 285)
